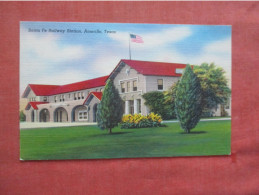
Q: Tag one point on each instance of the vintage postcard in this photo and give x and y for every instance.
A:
(119, 90)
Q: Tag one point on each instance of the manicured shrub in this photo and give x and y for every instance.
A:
(22, 116)
(140, 121)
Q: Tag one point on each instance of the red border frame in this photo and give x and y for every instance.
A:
(235, 174)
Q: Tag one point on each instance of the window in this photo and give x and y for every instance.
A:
(32, 99)
(96, 90)
(131, 106)
(178, 71)
(82, 115)
(75, 96)
(122, 87)
(79, 95)
(139, 105)
(69, 96)
(82, 95)
(63, 98)
(55, 98)
(44, 99)
(101, 89)
(160, 84)
(128, 86)
(135, 88)
(60, 98)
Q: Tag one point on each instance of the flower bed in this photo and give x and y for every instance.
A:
(141, 121)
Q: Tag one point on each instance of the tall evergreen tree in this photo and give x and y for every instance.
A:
(188, 99)
(110, 109)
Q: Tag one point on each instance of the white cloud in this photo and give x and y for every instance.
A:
(218, 52)
(43, 57)
(54, 78)
(221, 46)
(105, 64)
(62, 77)
(154, 39)
(49, 47)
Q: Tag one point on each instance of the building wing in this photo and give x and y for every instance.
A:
(47, 90)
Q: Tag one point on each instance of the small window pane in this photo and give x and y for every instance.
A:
(160, 84)
(135, 86)
(128, 86)
(122, 87)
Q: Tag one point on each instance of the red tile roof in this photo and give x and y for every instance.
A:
(46, 90)
(92, 83)
(155, 68)
(42, 90)
(34, 105)
(98, 95)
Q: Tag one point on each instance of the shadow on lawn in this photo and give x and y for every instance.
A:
(194, 132)
(107, 134)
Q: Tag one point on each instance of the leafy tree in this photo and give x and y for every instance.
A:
(188, 100)
(22, 116)
(156, 101)
(110, 109)
(214, 85)
(170, 98)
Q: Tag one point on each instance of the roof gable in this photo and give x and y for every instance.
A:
(42, 90)
(91, 95)
(34, 105)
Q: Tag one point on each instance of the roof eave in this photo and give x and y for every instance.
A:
(27, 88)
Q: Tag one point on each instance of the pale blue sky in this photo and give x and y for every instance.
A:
(61, 58)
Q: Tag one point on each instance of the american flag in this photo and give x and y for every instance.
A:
(136, 38)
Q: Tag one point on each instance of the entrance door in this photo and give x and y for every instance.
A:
(131, 106)
(32, 116)
(95, 113)
(44, 115)
(61, 115)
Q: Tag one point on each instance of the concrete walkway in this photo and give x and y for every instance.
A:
(26, 125)
(215, 119)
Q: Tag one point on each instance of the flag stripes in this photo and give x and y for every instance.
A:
(136, 38)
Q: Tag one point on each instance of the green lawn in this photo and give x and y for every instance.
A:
(89, 142)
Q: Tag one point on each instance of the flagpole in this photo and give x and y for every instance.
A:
(129, 48)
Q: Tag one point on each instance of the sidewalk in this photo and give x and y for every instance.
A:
(215, 119)
(26, 125)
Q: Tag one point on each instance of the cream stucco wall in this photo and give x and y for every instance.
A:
(91, 113)
(127, 74)
(80, 108)
(152, 85)
(71, 94)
